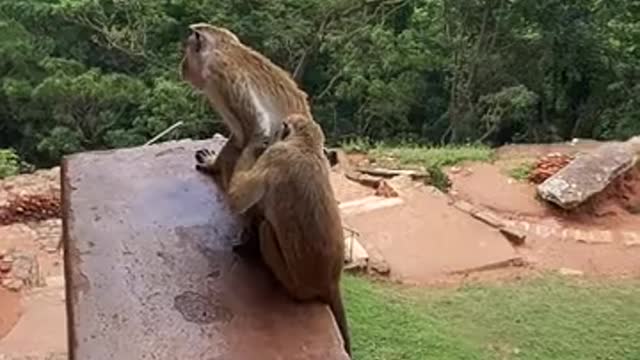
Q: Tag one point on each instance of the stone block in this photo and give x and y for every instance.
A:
(150, 273)
(488, 218)
(514, 235)
(587, 175)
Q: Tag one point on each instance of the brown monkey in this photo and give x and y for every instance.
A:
(251, 94)
(301, 238)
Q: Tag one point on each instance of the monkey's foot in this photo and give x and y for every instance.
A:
(205, 161)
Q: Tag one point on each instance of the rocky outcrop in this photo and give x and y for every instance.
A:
(587, 175)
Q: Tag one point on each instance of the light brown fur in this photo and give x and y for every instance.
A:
(301, 239)
(251, 93)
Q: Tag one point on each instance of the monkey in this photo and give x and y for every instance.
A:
(249, 92)
(301, 237)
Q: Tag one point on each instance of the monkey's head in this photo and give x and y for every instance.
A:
(205, 42)
(300, 127)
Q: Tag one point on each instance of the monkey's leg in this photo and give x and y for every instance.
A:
(274, 259)
(245, 190)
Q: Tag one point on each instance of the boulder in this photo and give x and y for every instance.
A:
(587, 175)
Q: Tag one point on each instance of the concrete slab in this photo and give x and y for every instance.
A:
(587, 175)
(425, 237)
(151, 275)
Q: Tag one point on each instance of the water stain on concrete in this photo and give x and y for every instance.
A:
(199, 309)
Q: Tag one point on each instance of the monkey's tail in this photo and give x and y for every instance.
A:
(337, 308)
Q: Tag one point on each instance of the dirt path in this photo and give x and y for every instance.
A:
(425, 238)
(428, 237)
(41, 330)
(601, 239)
(10, 311)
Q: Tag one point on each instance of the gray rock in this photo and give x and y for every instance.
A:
(587, 175)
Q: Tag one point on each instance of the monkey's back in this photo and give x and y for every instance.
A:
(301, 207)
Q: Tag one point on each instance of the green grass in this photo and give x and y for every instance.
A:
(542, 319)
(431, 159)
(522, 171)
(356, 145)
(431, 156)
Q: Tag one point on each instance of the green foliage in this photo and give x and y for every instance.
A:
(522, 171)
(9, 163)
(359, 145)
(546, 318)
(438, 178)
(92, 74)
(429, 157)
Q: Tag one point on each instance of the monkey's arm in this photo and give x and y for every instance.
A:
(245, 190)
(251, 176)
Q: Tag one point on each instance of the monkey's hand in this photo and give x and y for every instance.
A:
(259, 147)
(206, 161)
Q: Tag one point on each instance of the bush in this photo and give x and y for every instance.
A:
(9, 163)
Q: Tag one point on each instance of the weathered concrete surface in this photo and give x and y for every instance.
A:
(587, 175)
(150, 271)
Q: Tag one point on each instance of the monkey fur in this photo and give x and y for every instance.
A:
(301, 237)
(249, 92)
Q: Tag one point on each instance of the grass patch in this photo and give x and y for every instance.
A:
(360, 145)
(431, 159)
(385, 326)
(431, 156)
(547, 318)
(522, 171)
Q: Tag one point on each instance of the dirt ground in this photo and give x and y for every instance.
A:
(427, 241)
(548, 246)
(10, 311)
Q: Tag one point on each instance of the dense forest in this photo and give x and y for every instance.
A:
(95, 74)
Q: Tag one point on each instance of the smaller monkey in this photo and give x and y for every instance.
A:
(301, 236)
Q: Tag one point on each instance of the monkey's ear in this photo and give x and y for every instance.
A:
(286, 130)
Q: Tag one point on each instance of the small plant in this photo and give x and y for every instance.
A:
(360, 145)
(9, 163)
(522, 171)
(438, 178)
